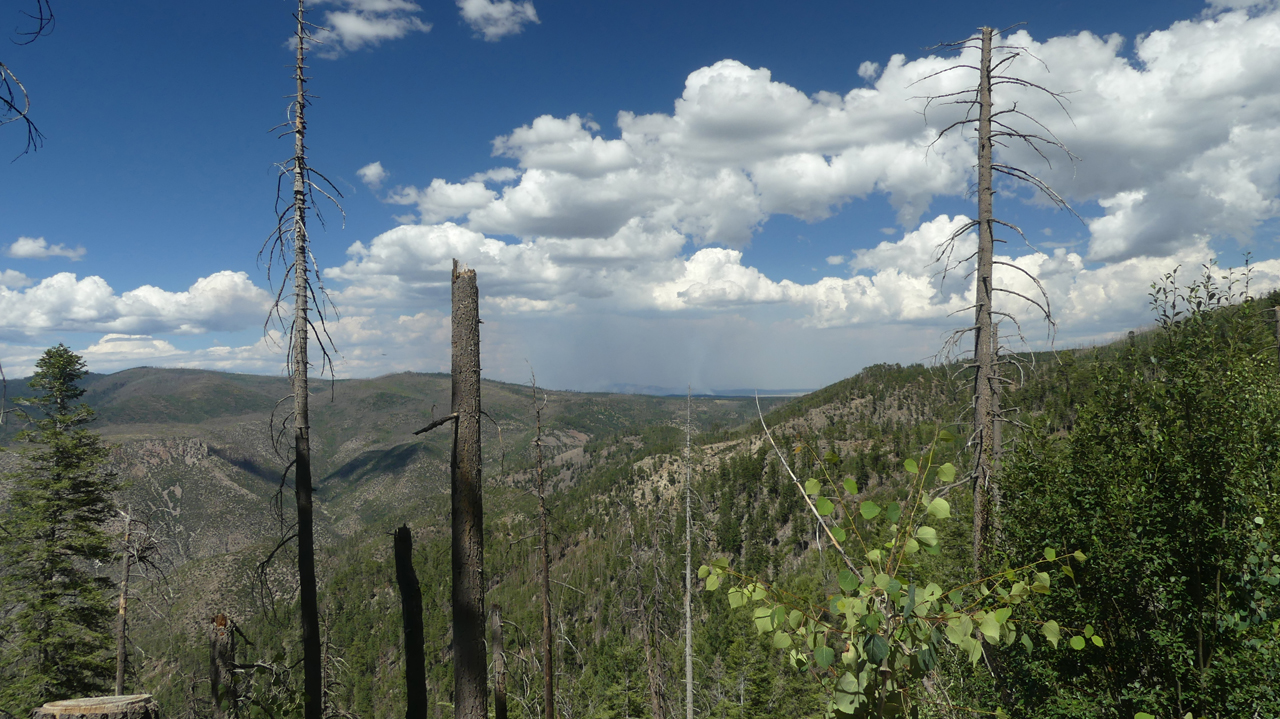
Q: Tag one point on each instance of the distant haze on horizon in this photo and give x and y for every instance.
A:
(652, 195)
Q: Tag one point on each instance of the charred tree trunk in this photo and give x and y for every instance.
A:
(688, 556)
(499, 665)
(222, 658)
(548, 634)
(984, 418)
(470, 680)
(415, 672)
(651, 665)
(121, 617)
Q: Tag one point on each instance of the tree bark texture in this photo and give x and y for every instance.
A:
(984, 418)
(415, 672)
(121, 618)
(499, 665)
(470, 678)
(222, 659)
(312, 662)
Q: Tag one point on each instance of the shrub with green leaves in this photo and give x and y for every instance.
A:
(880, 633)
(1169, 482)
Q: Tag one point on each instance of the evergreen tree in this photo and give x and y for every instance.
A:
(55, 621)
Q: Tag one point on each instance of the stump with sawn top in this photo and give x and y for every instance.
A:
(136, 706)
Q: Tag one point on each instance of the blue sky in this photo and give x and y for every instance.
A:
(728, 194)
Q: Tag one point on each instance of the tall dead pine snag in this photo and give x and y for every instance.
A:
(548, 658)
(470, 671)
(290, 245)
(996, 127)
(688, 555)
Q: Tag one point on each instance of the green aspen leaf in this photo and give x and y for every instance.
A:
(1026, 642)
(927, 535)
(1088, 631)
(703, 571)
(947, 473)
(1001, 714)
(1143, 715)
(824, 506)
(848, 581)
(1079, 555)
(882, 580)
(945, 436)
(1050, 553)
(911, 546)
(1050, 631)
(877, 648)
(713, 582)
(812, 486)
(758, 592)
(911, 466)
(939, 508)
(1003, 614)
(781, 640)
(954, 635)
(1077, 643)
(893, 511)
(1066, 569)
(839, 534)
(1097, 640)
(794, 618)
(989, 625)
(1258, 521)
(850, 485)
(975, 651)
(869, 510)
(737, 597)
(1041, 585)
(824, 656)
(874, 555)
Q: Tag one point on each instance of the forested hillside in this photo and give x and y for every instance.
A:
(194, 451)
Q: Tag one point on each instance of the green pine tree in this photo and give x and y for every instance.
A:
(54, 610)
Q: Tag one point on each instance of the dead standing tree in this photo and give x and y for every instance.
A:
(290, 245)
(548, 632)
(415, 673)
(996, 127)
(470, 678)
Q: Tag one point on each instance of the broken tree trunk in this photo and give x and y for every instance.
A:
(470, 677)
(415, 672)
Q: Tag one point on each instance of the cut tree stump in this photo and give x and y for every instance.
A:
(135, 706)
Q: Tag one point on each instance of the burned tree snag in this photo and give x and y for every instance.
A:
(415, 673)
(470, 672)
(984, 418)
(995, 127)
(222, 660)
(121, 618)
(499, 665)
(548, 659)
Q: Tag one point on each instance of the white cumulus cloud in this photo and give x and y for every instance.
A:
(358, 24)
(372, 175)
(223, 301)
(35, 248)
(496, 19)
